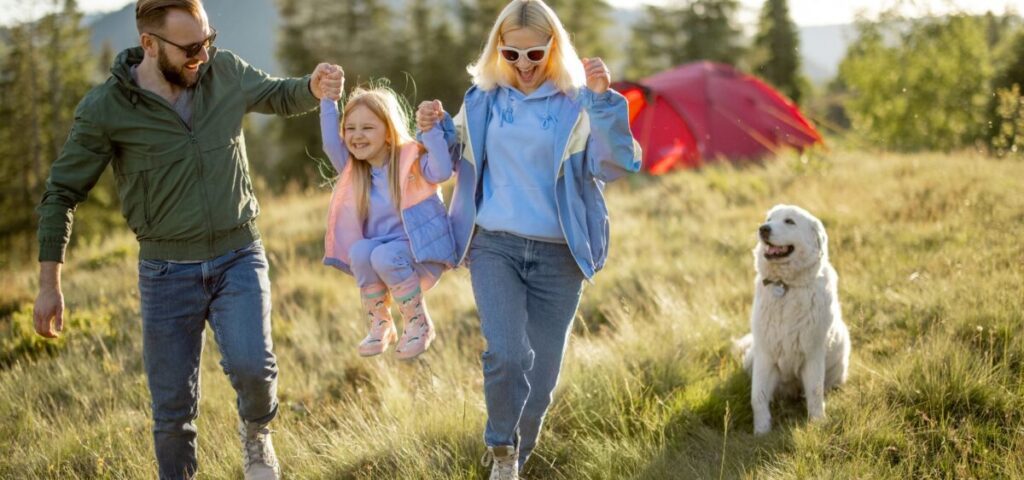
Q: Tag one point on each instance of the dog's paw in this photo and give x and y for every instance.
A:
(762, 426)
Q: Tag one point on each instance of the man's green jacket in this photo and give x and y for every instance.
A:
(185, 192)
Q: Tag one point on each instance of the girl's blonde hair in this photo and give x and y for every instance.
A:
(385, 104)
(563, 66)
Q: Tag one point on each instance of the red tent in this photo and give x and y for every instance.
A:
(705, 111)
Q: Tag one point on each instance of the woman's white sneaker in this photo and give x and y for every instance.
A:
(504, 462)
(258, 456)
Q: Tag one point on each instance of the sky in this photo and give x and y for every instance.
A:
(804, 12)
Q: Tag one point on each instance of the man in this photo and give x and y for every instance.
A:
(170, 120)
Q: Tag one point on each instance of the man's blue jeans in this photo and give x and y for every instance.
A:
(232, 291)
(527, 293)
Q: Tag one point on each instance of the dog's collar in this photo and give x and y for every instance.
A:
(780, 287)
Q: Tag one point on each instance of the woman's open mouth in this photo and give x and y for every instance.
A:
(526, 76)
(775, 252)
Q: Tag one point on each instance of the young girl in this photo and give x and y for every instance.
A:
(541, 133)
(387, 224)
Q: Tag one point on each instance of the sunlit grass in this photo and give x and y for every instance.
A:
(931, 281)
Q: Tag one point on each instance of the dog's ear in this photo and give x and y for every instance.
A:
(822, 236)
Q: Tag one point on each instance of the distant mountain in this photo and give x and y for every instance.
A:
(249, 28)
(823, 48)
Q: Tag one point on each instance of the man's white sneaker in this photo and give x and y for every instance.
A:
(504, 462)
(258, 456)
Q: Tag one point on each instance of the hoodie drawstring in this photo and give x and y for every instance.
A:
(546, 122)
(507, 115)
(549, 120)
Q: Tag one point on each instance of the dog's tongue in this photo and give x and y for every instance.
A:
(774, 250)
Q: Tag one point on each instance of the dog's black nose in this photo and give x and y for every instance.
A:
(765, 231)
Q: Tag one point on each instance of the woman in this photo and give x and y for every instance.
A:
(540, 134)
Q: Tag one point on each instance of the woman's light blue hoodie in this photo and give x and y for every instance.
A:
(592, 144)
(518, 188)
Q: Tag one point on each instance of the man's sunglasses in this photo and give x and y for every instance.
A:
(193, 49)
(533, 55)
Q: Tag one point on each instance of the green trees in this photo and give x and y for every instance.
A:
(690, 30)
(587, 22)
(685, 31)
(656, 42)
(711, 31)
(1007, 106)
(920, 84)
(438, 55)
(776, 53)
(45, 69)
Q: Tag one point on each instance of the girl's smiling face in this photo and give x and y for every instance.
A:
(365, 136)
(528, 75)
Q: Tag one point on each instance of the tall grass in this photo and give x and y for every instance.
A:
(931, 264)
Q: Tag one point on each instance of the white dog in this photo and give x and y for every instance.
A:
(798, 340)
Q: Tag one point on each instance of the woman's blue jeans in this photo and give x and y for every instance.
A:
(527, 292)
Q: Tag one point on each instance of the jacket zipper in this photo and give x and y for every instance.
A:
(195, 146)
(199, 170)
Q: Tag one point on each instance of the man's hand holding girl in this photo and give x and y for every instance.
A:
(327, 81)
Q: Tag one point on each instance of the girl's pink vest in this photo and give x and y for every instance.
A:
(429, 232)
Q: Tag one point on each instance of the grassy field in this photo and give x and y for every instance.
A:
(931, 264)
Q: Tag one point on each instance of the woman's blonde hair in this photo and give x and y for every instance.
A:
(563, 66)
(386, 105)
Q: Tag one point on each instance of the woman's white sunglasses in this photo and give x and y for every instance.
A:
(532, 55)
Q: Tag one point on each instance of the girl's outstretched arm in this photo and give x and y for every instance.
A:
(438, 163)
(330, 133)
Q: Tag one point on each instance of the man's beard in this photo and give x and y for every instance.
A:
(174, 75)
